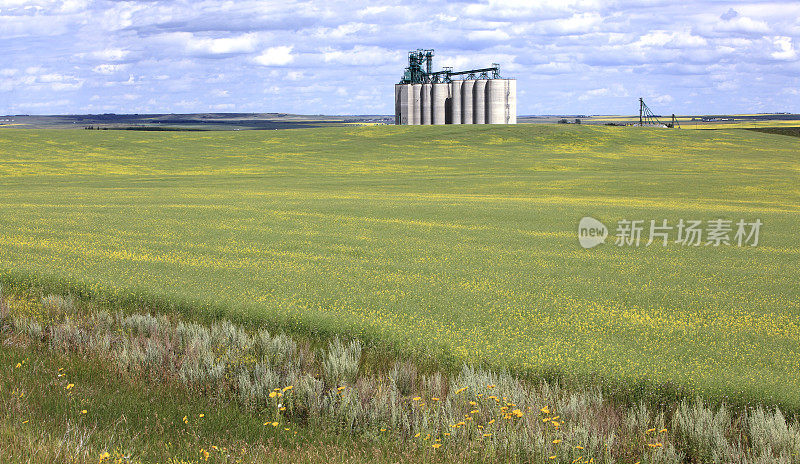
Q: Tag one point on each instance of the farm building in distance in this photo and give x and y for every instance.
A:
(476, 96)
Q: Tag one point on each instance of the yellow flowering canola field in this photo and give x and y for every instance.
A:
(456, 239)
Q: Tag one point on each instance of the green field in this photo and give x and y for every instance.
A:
(458, 240)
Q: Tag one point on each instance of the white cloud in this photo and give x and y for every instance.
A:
(579, 23)
(343, 31)
(360, 55)
(742, 24)
(109, 68)
(785, 49)
(110, 54)
(495, 35)
(666, 39)
(661, 98)
(614, 90)
(275, 56)
(242, 44)
(198, 45)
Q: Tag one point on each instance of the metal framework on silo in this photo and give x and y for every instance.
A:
(476, 96)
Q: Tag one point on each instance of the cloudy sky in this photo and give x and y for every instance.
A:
(343, 57)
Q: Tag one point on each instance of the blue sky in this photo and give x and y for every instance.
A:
(570, 57)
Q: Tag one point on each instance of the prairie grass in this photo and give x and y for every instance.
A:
(450, 244)
(472, 415)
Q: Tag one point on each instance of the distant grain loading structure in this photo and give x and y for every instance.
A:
(475, 96)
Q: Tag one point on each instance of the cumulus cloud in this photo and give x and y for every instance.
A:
(733, 22)
(244, 43)
(275, 56)
(784, 49)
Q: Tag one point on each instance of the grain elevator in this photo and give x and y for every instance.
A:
(475, 96)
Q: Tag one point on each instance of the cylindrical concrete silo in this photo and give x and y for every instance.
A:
(496, 93)
(397, 103)
(455, 106)
(467, 100)
(479, 102)
(403, 106)
(416, 103)
(426, 104)
(440, 92)
(511, 115)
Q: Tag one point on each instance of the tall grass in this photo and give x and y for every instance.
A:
(495, 413)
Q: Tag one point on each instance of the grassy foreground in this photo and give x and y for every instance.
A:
(452, 240)
(81, 384)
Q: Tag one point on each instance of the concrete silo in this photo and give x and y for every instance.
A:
(467, 113)
(416, 102)
(455, 102)
(442, 97)
(511, 99)
(440, 93)
(404, 106)
(479, 102)
(496, 101)
(426, 104)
